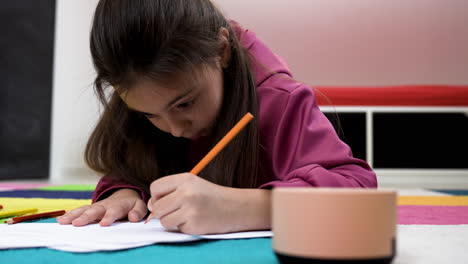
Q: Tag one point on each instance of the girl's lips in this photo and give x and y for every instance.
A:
(198, 135)
(194, 136)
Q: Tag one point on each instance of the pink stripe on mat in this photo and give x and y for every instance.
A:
(20, 186)
(432, 215)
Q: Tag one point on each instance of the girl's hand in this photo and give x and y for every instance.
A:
(124, 203)
(197, 206)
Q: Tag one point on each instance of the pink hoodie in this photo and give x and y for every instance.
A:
(301, 147)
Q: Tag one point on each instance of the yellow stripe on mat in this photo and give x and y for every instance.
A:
(433, 200)
(42, 204)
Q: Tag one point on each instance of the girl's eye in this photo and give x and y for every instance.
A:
(185, 105)
(150, 116)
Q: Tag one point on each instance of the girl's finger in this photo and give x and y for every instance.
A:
(137, 213)
(166, 205)
(150, 203)
(72, 215)
(94, 213)
(174, 219)
(112, 214)
(165, 185)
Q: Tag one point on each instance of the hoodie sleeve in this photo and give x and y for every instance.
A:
(106, 186)
(301, 145)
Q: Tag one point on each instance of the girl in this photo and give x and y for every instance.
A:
(181, 76)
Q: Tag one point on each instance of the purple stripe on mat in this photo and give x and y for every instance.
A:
(432, 215)
(20, 186)
(47, 194)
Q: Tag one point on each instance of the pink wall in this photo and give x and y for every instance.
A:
(363, 42)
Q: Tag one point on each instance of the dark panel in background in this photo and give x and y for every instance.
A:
(26, 57)
(426, 140)
(351, 127)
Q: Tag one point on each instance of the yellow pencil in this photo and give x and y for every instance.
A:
(218, 147)
(17, 212)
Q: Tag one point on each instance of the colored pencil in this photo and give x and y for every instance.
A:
(23, 218)
(217, 148)
(17, 212)
(1, 206)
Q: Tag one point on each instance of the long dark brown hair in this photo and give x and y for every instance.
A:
(132, 39)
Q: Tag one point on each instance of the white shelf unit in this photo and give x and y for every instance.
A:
(445, 178)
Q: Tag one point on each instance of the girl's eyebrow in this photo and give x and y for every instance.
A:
(144, 113)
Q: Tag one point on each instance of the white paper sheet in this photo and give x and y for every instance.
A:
(123, 235)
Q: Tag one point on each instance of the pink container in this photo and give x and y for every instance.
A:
(342, 225)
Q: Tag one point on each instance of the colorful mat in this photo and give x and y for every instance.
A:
(442, 210)
(433, 210)
(434, 207)
(44, 197)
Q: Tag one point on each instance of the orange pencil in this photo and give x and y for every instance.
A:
(218, 147)
(23, 218)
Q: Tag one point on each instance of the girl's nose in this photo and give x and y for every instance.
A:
(177, 128)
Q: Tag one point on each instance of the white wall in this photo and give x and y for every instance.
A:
(326, 42)
(363, 42)
(74, 107)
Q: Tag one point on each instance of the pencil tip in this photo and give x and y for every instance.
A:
(150, 216)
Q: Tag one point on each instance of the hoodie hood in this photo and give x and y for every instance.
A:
(265, 63)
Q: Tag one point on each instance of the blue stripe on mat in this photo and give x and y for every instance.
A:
(46, 194)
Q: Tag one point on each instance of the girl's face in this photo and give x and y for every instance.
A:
(184, 109)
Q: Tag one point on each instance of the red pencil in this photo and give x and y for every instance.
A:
(23, 218)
